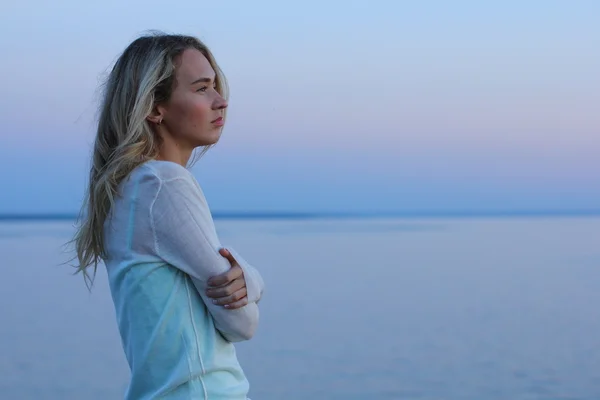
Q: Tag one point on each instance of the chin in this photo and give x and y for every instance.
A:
(217, 135)
(209, 140)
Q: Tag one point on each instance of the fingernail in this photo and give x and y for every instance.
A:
(227, 306)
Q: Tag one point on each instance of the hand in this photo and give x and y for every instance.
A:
(229, 288)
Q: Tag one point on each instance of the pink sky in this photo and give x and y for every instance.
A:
(393, 94)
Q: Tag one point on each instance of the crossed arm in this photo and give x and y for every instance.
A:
(229, 289)
(186, 238)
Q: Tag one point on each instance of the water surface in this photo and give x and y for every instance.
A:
(473, 309)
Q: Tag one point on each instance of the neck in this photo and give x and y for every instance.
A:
(174, 152)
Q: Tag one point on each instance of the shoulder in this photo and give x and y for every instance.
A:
(165, 170)
(174, 196)
(159, 178)
(162, 175)
(169, 180)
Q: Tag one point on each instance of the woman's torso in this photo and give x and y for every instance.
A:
(172, 346)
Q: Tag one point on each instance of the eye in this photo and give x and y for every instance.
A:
(205, 88)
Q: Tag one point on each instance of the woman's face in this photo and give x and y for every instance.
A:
(193, 116)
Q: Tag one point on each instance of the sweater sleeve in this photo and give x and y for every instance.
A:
(185, 237)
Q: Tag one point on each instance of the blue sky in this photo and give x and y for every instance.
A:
(336, 106)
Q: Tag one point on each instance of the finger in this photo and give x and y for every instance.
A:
(226, 277)
(238, 304)
(227, 254)
(227, 290)
(231, 299)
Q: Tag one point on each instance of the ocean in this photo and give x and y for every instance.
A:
(371, 309)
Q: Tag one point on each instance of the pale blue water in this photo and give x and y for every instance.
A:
(477, 309)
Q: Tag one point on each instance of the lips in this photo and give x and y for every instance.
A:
(218, 120)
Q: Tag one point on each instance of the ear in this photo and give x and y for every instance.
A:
(157, 115)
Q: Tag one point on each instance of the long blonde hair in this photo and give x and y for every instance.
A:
(142, 77)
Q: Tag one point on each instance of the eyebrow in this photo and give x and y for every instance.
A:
(205, 80)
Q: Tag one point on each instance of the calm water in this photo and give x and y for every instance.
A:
(474, 309)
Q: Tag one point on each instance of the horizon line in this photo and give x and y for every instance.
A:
(299, 215)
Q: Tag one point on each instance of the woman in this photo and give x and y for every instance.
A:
(180, 299)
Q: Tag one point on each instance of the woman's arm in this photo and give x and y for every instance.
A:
(185, 237)
(241, 285)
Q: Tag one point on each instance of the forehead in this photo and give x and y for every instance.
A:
(193, 65)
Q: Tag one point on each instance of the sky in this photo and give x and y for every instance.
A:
(336, 106)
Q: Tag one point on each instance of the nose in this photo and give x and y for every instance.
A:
(220, 103)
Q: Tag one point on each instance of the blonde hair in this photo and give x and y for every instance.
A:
(142, 77)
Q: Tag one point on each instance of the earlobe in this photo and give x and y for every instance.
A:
(155, 119)
(156, 116)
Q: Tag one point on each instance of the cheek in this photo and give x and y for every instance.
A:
(198, 110)
(201, 112)
(192, 111)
